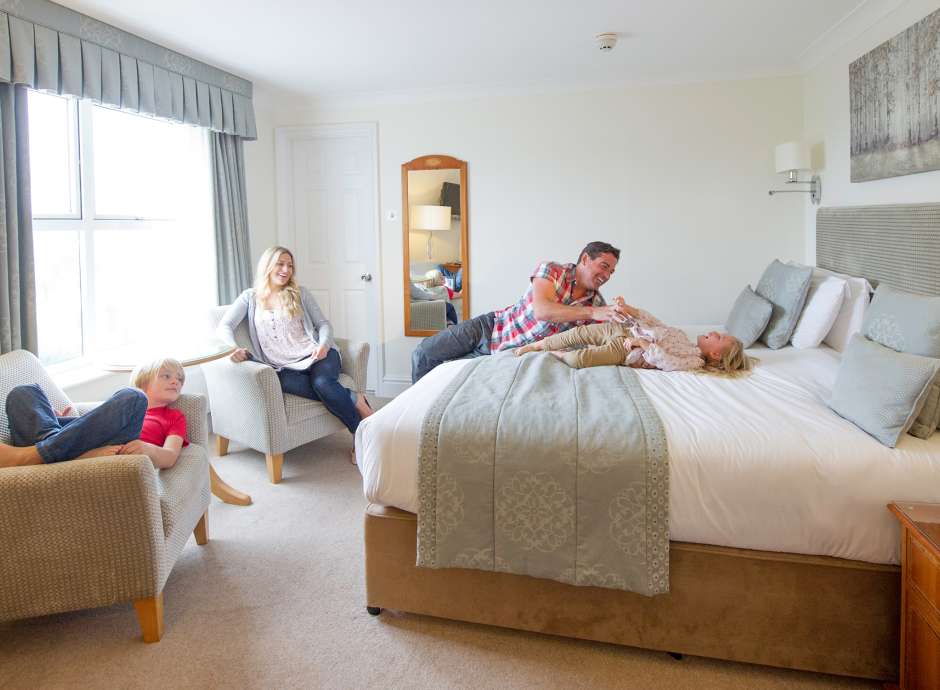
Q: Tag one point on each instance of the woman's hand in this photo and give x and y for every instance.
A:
(240, 355)
(321, 352)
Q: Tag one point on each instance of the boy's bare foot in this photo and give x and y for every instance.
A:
(13, 456)
(557, 353)
(531, 347)
(363, 407)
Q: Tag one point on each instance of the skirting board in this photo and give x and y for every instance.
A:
(811, 613)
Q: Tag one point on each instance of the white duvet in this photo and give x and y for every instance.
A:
(755, 463)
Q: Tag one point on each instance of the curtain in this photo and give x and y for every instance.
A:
(18, 329)
(231, 216)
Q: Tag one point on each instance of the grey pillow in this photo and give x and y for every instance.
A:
(881, 391)
(904, 321)
(785, 287)
(929, 417)
(748, 317)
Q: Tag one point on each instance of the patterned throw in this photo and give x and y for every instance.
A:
(529, 467)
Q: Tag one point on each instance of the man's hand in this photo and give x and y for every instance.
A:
(321, 352)
(67, 411)
(611, 312)
(240, 355)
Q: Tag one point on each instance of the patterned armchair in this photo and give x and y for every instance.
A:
(95, 532)
(248, 407)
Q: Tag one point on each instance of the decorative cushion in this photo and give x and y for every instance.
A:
(929, 417)
(882, 391)
(823, 302)
(748, 317)
(785, 287)
(904, 321)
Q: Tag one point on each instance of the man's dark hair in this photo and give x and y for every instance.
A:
(595, 249)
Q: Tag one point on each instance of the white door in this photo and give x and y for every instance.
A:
(327, 194)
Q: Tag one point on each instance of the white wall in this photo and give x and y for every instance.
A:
(826, 122)
(675, 175)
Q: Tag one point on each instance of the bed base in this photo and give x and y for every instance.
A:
(812, 613)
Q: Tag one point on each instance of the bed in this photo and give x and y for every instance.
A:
(782, 550)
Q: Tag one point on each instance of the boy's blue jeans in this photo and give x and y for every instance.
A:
(320, 382)
(33, 422)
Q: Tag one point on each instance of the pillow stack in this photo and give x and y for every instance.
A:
(889, 379)
(770, 312)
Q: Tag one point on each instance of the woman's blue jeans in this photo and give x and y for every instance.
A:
(320, 381)
(33, 422)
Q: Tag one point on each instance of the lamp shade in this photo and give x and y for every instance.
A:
(430, 217)
(794, 155)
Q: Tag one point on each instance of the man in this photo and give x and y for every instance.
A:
(560, 296)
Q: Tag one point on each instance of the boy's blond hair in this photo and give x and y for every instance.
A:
(143, 373)
(733, 363)
(289, 294)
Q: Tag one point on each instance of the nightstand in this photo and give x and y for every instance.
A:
(920, 594)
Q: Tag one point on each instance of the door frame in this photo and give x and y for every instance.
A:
(283, 137)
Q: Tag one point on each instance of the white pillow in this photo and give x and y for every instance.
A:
(852, 313)
(823, 302)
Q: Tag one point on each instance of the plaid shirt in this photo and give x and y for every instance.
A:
(516, 325)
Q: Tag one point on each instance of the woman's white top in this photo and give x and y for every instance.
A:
(283, 339)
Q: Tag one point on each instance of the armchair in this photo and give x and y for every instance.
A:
(248, 407)
(99, 531)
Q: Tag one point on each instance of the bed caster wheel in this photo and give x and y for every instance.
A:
(373, 610)
(675, 655)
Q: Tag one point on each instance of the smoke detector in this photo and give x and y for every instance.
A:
(606, 41)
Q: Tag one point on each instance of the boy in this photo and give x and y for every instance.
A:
(133, 421)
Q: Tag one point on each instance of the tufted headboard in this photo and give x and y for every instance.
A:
(898, 244)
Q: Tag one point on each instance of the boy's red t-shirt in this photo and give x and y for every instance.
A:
(160, 422)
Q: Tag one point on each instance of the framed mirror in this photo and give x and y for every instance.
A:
(434, 235)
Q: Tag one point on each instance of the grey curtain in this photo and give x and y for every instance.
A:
(231, 216)
(18, 329)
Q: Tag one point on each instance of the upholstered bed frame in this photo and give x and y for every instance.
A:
(804, 612)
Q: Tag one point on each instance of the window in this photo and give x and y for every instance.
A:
(122, 228)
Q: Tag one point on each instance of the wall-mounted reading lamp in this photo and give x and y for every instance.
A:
(790, 158)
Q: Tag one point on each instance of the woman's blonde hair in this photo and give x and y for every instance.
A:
(289, 294)
(733, 363)
(143, 373)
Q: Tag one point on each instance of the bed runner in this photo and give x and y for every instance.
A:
(527, 466)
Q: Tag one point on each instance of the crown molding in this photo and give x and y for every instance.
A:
(854, 24)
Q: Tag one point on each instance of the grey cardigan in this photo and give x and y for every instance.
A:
(315, 324)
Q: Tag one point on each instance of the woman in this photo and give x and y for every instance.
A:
(289, 333)
(641, 340)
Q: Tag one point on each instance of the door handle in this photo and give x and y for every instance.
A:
(366, 277)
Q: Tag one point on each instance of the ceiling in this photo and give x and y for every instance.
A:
(346, 47)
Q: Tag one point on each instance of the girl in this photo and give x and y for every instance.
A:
(289, 333)
(641, 340)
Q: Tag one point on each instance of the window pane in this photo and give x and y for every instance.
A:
(58, 295)
(152, 285)
(140, 164)
(53, 155)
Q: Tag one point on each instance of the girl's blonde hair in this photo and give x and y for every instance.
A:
(733, 363)
(143, 373)
(289, 294)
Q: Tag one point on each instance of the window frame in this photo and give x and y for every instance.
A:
(86, 222)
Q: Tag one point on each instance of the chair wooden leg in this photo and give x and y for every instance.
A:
(274, 467)
(202, 529)
(221, 446)
(150, 617)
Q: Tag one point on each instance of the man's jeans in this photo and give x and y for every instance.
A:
(33, 422)
(466, 339)
(320, 382)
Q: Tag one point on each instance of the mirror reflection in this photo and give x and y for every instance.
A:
(435, 253)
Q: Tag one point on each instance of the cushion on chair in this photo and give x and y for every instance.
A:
(19, 368)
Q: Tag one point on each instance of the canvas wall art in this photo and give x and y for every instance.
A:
(895, 105)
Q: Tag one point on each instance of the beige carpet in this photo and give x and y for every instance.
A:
(276, 600)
